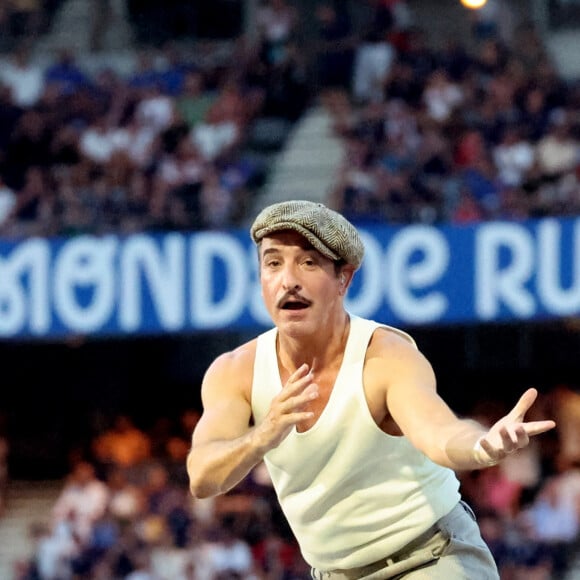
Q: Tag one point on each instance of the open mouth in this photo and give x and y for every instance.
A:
(294, 305)
(293, 301)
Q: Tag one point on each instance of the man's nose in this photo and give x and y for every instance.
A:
(290, 279)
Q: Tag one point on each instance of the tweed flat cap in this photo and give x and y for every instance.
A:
(328, 231)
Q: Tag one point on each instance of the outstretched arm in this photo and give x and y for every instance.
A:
(461, 444)
(224, 445)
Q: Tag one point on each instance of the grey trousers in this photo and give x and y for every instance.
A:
(452, 549)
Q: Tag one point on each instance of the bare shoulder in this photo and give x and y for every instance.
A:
(389, 341)
(392, 354)
(225, 395)
(232, 371)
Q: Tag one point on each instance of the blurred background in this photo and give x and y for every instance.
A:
(138, 139)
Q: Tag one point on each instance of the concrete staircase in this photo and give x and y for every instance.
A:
(29, 502)
(73, 24)
(306, 167)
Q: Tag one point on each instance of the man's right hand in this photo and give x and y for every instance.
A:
(287, 409)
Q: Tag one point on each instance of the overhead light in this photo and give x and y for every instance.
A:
(474, 4)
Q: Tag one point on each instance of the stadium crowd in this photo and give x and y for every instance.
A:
(161, 148)
(430, 133)
(451, 134)
(124, 511)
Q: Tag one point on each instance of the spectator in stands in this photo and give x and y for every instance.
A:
(34, 203)
(166, 506)
(195, 100)
(465, 209)
(481, 180)
(529, 47)
(122, 445)
(53, 552)
(490, 60)
(441, 96)
(65, 74)
(9, 116)
(534, 111)
(224, 554)
(277, 23)
(553, 520)
(492, 20)
(418, 55)
(564, 401)
(82, 501)
(521, 555)
(502, 495)
(285, 94)
(141, 560)
(433, 166)
(154, 109)
(502, 91)
(24, 78)
(26, 17)
(178, 179)
(174, 445)
(179, 442)
(217, 203)
(456, 60)
(402, 84)
(72, 215)
(101, 140)
(494, 530)
(137, 215)
(558, 151)
(221, 132)
(513, 156)
(372, 64)
(64, 147)
(126, 499)
(402, 134)
(335, 46)
(29, 146)
(278, 557)
(355, 193)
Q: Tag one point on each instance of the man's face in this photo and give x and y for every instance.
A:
(300, 286)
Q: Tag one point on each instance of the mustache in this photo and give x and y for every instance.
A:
(295, 295)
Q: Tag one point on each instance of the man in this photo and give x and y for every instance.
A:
(344, 412)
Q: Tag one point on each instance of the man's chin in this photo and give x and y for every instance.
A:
(295, 319)
(294, 315)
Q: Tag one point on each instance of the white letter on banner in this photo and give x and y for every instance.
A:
(85, 263)
(494, 284)
(163, 271)
(557, 300)
(370, 293)
(205, 248)
(30, 257)
(404, 276)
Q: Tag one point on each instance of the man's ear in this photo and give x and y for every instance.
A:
(345, 277)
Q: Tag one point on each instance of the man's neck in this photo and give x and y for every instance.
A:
(318, 350)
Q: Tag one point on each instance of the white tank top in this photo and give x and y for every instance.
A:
(351, 493)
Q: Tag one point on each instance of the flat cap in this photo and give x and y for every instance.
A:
(328, 231)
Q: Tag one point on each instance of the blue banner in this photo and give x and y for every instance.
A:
(189, 282)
